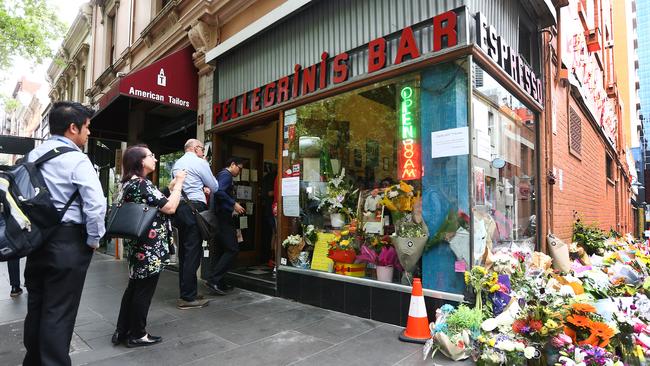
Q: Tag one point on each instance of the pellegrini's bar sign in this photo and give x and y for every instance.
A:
(446, 30)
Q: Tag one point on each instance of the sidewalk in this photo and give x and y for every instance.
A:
(243, 328)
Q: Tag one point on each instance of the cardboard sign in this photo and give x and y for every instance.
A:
(320, 261)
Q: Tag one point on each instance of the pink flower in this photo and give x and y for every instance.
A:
(152, 234)
(561, 340)
(139, 256)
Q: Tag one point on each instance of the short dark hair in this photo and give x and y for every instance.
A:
(235, 160)
(132, 161)
(65, 112)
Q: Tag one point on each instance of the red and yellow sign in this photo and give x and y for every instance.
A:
(409, 152)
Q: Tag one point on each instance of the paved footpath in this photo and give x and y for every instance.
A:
(243, 328)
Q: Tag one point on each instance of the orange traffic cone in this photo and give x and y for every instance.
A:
(417, 325)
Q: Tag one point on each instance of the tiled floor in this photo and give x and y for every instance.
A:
(243, 328)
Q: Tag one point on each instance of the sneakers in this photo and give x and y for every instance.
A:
(196, 304)
(15, 291)
(147, 340)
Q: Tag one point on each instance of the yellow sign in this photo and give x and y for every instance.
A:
(320, 261)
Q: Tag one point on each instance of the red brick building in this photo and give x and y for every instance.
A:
(582, 138)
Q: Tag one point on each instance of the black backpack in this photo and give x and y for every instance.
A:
(27, 214)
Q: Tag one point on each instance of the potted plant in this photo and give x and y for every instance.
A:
(343, 251)
(338, 200)
(293, 244)
(378, 251)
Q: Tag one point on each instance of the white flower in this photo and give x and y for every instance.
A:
(529, 352)
(566, 290)
(392, 194)
(519, 346)
(506, 345)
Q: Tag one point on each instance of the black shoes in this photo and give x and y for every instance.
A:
(147, 340)
(15, 291)
(221, 289)
(118, 338)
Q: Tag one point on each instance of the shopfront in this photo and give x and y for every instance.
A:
(405, 148)
(155, 105)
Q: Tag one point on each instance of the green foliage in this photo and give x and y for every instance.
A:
(590, 237)
(27, 28)
(465, 318)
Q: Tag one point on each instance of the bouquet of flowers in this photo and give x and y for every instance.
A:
(453, 332)
(585, 327)
(587, 355)
(338, 197)
(294, 245)
(399, 199)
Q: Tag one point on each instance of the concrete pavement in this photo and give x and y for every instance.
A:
(243, 328)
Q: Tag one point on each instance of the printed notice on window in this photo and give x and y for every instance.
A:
(291, 186)
(291, 206)
(451, 142)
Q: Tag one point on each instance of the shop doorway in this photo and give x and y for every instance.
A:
(257, 147)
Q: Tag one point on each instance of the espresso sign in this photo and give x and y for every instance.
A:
(507, 58)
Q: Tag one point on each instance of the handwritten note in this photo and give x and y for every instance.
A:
(320, 261)
(291, 206)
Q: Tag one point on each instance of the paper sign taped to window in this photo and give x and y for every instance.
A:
(320, 261)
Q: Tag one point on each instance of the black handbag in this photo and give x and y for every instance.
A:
(130, 220)
(206, 221)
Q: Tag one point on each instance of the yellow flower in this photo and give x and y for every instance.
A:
(543, 331)
(405, 187)
(344, 243)
(551, 324)
(467, 277)
(495, 288)
(480, 270)
(492, 342)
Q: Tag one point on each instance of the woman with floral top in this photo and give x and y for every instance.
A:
(145, 255)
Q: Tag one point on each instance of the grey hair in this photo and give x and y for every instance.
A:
(192, 143)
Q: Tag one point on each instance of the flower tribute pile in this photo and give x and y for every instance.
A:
(526, 313)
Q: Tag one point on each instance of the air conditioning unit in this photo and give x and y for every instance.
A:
(592, 37)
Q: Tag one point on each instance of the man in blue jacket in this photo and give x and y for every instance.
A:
(228, 211)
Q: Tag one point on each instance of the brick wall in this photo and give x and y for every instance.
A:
(582, 184)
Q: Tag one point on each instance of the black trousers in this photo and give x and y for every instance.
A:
(14, 272)
(189, 249)
(54, 276)
(229, 248)
(135, 306)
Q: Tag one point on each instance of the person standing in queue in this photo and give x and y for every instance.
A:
(56, 272)
(227, 211)
(145, 255)
(199, 180)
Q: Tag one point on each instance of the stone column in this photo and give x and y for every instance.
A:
(203, 37)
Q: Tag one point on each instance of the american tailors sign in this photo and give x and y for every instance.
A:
(445, 30)
(172, 80)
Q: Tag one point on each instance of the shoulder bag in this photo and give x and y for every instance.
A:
(205, 220)
(129, 219)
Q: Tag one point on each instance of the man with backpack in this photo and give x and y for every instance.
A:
(55, 273)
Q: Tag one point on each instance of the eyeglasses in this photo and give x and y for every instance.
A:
(152, 155)
(240, 167)
(199, 147)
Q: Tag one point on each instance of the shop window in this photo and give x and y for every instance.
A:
(505, 209)
(609, 168)
(575, 133)
(353, 182)
(110, 38)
